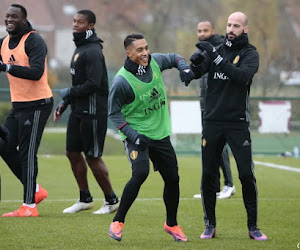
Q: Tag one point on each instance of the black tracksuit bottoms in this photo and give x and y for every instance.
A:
(224, 165)
(164, 160)
(26, 127)
(214, 137)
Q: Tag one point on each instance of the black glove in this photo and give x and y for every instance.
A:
(65, 93)
(187, 76)
(142, 142)
(196, 59)
(210, 50)
(61, 107)
(4, 134)
(2, 66)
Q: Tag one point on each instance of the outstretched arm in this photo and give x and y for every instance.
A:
(173, 60)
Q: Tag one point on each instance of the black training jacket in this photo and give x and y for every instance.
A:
(89, 91)
(227, 98)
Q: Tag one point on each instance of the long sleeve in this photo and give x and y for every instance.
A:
(36, 50)
(246, 70)
(94, 65)
(169, 61)
(121, 93)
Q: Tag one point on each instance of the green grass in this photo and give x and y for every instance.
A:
(279, 216)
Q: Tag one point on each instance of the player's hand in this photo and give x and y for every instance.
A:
(2, 66)
(186, 76)
(60, 108)
(4, 134)
(210, 50)
(65, 93)
(196, 59)
(142, 142)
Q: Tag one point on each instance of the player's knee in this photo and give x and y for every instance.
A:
(172, 180)
(140, 170)
(173, 176)
(94, 160)
(141, 176)
(73, 156)
(247, 178)
(2, 147)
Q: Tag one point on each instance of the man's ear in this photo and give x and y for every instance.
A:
(91, 26)
(246, 29)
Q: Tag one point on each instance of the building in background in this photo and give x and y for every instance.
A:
(53, 20)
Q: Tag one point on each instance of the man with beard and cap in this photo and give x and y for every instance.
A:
(230, 68)
(87, 123)
(138, 107)
(206, 32)
(23, 55)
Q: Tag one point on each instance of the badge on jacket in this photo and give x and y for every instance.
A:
(236, 59)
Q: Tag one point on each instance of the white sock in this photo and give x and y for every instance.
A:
(37, 188)
(31, 205)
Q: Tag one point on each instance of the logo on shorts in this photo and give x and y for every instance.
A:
(27, 123)
(133, 155)
(246, 143)
(203, 142)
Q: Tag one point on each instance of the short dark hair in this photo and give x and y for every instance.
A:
(132, 37)
(90, 15)
(205, 20)
(23, 10)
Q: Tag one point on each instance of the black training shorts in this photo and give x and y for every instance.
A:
(160, 152)
(85, 134)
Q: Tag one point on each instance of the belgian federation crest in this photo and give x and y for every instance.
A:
(236, 59)
(133, 155)
(76, 57)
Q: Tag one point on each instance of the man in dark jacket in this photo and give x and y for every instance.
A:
(87, 123)
(231, 68)
(206, 32)
(23, 55)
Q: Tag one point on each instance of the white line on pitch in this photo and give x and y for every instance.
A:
(272, 165)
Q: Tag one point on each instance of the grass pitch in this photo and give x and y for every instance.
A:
(278, 218)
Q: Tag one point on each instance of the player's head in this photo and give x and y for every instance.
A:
(137, 48)
(205, 30)
(83, 20)
(15, 19)
(237, 25)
